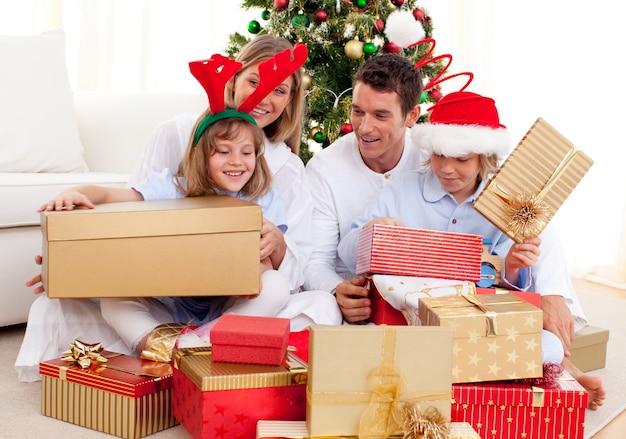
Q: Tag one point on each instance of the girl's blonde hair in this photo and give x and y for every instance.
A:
(195, 165)
(288, 127)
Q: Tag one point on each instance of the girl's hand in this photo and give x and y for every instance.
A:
(387, 221)
(273, 244)
(66, 200)
(36, 279)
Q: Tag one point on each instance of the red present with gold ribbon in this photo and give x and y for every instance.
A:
(377, 381)
(114, 393)
(408, 251)
(505, 410)
(533, 182)
(225, 400)
(496, 336)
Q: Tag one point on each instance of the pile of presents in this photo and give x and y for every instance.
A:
(443, 359)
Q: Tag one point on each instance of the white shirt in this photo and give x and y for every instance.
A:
(343, 186)
(167, 149)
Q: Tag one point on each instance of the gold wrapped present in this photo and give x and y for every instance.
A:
(368, 381)
(496, 336)
(533, 182)
(196, 246)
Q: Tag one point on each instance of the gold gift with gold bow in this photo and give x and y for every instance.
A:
(378, 381)
(496, 336)
(533, 182)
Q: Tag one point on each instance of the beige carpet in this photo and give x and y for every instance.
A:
(20, 411)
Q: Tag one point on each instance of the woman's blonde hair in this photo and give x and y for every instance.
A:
(288, 127)
(194, 167)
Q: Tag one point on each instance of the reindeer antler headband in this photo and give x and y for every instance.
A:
(214, 73)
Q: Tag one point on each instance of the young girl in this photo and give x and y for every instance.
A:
(227, 159)
(466, 142)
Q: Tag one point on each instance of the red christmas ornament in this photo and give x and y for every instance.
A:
(418, 14)
(281, 4)
(397, 2)
(390, 47)
(435, 94)
(321, 16)
(380, 25)
(346, 128)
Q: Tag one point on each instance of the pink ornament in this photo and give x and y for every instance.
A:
(390, 47)
(321, 16)
(380, 25)
(346, 128)
(418, 14)
(281, 4)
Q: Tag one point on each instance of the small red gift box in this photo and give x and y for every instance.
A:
(407, 251)
(505, 410)
(249, 339)
(126, 396)
(226, 400)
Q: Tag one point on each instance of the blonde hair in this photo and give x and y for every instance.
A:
(488, 164)
(288, 127)
(194, 167)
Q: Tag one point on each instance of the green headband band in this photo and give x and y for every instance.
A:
(212, 118)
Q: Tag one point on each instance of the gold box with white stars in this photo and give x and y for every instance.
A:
(496, 336)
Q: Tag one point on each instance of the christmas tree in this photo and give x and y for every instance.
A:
(340, 35)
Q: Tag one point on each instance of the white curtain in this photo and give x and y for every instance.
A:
(557, 59)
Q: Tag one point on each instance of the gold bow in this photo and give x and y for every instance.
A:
(84, 354)
(389, 412)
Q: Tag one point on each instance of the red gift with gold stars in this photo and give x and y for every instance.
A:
(226, 400)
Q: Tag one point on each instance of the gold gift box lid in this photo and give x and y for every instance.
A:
(533, 182)
(210, 375)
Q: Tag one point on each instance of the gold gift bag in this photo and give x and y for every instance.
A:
(533, 182)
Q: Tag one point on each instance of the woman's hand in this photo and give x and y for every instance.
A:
(273, 244)
(35, 280)
(387, 221)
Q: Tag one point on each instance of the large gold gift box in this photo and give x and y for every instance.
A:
(533, 182)
(361, 375)
(200, 246)
(496, 336)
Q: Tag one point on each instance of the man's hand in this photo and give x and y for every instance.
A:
(36, 279)
(557, 318)
(352, 300)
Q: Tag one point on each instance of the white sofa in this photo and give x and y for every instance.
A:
(114, 129)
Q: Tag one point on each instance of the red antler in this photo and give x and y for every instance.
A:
(213, 74)
(273, 72)
(438, 78)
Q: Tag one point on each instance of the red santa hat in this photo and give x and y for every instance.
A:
(463, 123)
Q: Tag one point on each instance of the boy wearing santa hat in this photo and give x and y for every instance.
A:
(465, 142)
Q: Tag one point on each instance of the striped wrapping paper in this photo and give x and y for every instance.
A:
(544, 164)
(407, 251)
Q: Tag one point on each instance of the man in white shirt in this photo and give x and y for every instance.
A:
(349, 174)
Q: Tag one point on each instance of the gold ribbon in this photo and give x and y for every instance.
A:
(84, 354)
(492, 329)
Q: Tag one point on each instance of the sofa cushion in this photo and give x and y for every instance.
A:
(22, 194)
(39, 132)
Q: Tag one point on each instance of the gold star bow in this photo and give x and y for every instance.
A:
(84, 354)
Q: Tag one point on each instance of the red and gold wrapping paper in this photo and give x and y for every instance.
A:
(506, 410)
(502, 341)
(359, 374)
(126, 397)
(225, 400)
(544, 164)
(407, 251)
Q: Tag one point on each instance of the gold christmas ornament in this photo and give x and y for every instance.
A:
(527, 215)
(307, 80)
(354, 49)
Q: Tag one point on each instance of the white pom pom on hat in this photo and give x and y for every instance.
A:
(463, 123)
(403, 29)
